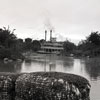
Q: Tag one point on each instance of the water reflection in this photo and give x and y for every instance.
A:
(28, 62)
(10, 67)
(48, 63)
(85, 67)
(68, 62)
(52, 66)
(88, 67)
(93, 67)
(17, 67)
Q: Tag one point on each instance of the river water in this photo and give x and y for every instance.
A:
(86, 67)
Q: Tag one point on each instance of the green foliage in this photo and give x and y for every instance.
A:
(94, 38)
(42, 41)
(5, 53)
(36, 45)
(28, 40)
(28, 44)
(20, 40)
(10, 54)
(90, 46)
(69, 47)
(20, 45)
(7, 38)
(9, 45)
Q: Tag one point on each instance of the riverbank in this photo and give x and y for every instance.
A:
(43, 86)
(9, 55)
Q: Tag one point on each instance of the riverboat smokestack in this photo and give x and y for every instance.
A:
(50, 35)
(45, 35)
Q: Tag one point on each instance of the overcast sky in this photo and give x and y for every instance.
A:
(71, 19)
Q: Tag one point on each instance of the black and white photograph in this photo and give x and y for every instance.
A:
(49, 49)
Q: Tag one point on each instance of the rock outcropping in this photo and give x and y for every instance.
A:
(43, 86)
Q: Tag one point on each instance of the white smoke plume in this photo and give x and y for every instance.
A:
(60, 37)
(48, 24)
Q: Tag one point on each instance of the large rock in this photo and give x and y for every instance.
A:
(43, 86)
(51, 86)
(7, 86)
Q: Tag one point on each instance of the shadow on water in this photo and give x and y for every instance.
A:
(28, 62)
(10, 67)
(93, 67)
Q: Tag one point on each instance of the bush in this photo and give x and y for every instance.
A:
(10, 54)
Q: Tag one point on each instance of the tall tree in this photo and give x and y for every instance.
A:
(90, 46)
(8, 44)
(94, 38)
(7, 38)
(69, 46)
(36, 45)
(28, 40)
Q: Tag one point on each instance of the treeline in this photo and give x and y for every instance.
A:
(90, 46)
(31, 45)
(69, 48)
(12, 47)
(8, 45)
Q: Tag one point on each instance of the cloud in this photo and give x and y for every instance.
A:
(70, 18)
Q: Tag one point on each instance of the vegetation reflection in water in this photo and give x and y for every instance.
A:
(87, 67)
